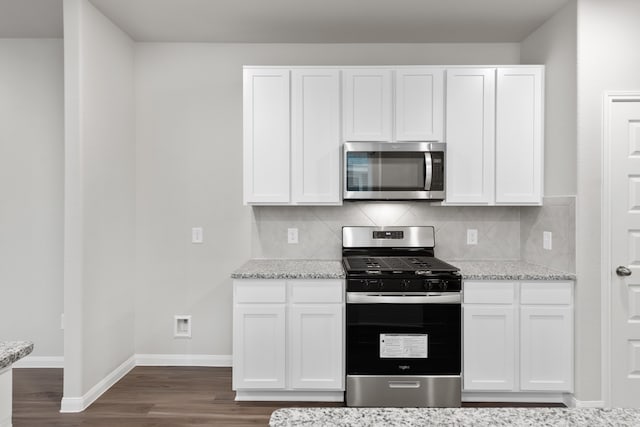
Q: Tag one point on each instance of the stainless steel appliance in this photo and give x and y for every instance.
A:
(394, 171)
(403, 316)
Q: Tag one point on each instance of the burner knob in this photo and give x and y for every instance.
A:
(405, 284)
(432, 284)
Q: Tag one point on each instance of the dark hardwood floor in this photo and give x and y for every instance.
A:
(149, 396)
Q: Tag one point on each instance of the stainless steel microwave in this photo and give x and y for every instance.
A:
(394, 171)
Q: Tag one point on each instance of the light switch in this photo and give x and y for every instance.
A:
(197, 235)
(472, 236)
(292, 235)
(547, 240)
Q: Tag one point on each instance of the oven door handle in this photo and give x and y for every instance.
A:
(378, 298)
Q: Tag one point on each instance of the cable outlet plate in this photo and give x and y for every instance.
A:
(182, 326)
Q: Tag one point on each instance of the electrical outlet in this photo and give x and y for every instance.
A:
(197, 235)
(472, 236)
(62, 321)
(292, 235)
(182, 326)
(547, 240)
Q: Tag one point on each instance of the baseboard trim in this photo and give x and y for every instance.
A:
(516, 397)
(291, 396)
(572, 402)
(204, 360)
(40, 362)
(79, 404)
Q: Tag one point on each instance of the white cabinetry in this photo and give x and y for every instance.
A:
(288, 340)
(266, 136)
(315, 136)
(494, 135)
(419, 104)
(518, 336)
(546, 337)
(367, 104)
(519, 132)
(292, 111)
(470, 135)
(373, 113)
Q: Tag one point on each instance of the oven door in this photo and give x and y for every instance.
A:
(393, 334)
(387, 171)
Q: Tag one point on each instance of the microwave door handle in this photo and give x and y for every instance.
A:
(428, 171)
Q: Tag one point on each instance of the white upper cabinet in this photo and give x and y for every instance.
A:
(266, 136)
(519, 135)
(419, 104)
(404, 104)
(470, 135)
(292, 136)
(315, 136)
(367, 105)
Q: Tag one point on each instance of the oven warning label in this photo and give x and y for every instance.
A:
(398, 346)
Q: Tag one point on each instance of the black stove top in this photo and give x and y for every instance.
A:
(395, 264)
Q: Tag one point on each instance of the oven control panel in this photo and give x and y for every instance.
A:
(431, 284)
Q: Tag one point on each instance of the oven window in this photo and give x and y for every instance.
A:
(385, 171)
(406, 324)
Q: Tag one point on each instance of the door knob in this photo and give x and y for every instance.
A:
(623, 271)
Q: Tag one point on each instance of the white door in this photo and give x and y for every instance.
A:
(519, 131)
(266, 136)
(623, 144)
(315, 136)
(470, 135)
(419, 104)
(489, 347)
(367, 104)
(259, 353)
(316, 346)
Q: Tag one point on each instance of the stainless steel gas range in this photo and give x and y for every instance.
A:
(403, 316)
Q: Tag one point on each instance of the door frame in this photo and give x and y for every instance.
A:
(609, 98)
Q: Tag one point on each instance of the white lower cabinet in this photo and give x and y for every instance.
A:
(518, 337)
(288, 340)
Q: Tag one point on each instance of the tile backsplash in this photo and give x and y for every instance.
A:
(320, 228)
(504, 232)
(557, 215)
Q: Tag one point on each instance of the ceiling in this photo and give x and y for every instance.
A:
(297, 21)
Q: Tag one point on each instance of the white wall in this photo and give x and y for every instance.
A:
(99, 197)
(554, 45)
(608, 32)
(31, 191)
(189, 172)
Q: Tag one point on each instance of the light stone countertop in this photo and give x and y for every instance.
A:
(332, 269)
(290, 269)
(12, 351)
(480, 417)
(508, 270)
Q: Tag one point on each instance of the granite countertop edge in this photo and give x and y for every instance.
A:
(332, 269)
(12, 351)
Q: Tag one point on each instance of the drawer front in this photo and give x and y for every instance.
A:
(554, 293)
(316, 291)
(259, 291)
(489, 292)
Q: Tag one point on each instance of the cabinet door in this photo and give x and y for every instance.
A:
(546, 348)
(519, 130)
(316, 342)
(266, 136)
(419, 104)
(489, 347)
(315, 131)
(470, 135)
(259, 346)
(367, 105)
